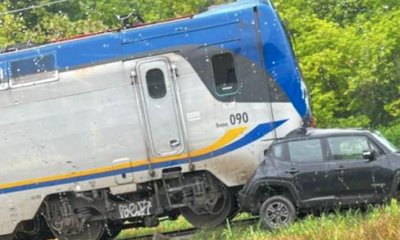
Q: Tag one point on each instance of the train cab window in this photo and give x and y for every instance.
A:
(32, 71)
(156, 83)
(224, 74)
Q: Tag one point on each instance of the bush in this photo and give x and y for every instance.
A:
(392, 133)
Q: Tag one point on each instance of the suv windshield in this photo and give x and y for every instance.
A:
(385, 142)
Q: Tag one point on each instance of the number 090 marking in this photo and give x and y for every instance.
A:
(239, 118)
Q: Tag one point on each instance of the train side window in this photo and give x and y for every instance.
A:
(224, 74)
(31, 71)
(156, 83)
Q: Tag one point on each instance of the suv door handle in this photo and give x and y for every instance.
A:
(293, 171)
(339, 169)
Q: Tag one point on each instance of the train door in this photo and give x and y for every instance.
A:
(161, 114)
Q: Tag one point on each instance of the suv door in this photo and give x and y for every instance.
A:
(310, 171)
(357, 179)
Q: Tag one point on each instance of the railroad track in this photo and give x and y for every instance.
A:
(186, 233)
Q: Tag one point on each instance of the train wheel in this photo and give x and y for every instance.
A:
(35, 229)
(93, 230)
(217, 215)
(71, 218)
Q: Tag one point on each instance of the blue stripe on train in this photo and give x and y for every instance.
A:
(257, 133)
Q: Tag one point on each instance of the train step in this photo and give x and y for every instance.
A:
(171, 175)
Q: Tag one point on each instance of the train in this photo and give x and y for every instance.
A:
(130, 127)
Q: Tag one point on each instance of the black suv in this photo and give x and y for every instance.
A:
(321, 169)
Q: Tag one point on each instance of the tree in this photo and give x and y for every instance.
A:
(70, 18)
(348, 51)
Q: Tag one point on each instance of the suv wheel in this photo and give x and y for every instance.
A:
(277, 212)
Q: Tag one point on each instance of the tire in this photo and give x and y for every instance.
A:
(277, 212)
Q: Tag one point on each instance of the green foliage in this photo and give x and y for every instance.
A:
(348, 51)
(392, 133)
(376, 223)
(8, 24)
(71, 18)
(165, 226)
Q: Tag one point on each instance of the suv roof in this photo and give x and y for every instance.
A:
(316, 132)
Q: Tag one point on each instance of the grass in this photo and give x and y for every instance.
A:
(165, 226)
(379, 223)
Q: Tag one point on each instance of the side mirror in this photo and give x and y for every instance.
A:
(369, 155)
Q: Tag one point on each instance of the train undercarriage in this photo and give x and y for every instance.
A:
(98, 215)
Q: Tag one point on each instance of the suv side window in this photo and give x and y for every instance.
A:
(306, 151)
(348, 147)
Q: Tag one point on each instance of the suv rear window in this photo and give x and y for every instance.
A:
(308, 151)
(278, 152)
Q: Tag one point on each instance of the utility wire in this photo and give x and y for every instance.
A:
(32, 7)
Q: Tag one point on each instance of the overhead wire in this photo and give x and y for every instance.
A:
(32, 7)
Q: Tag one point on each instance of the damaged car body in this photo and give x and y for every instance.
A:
(315, 169)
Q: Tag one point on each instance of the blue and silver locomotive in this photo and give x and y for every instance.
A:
(145, 123)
